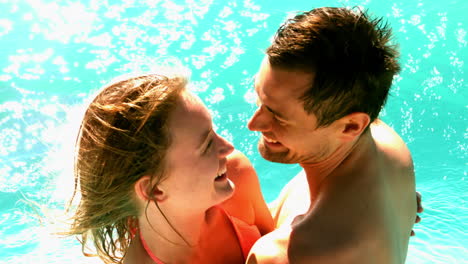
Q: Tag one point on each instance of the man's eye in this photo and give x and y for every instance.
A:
(279, 121)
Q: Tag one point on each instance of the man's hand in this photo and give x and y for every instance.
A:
(419, 210)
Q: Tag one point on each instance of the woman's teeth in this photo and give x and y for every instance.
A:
(221, 175)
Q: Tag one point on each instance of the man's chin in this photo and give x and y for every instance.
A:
(278, 157)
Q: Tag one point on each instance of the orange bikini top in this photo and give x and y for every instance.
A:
(247, 235)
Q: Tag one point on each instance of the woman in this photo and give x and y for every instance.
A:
(157, 184)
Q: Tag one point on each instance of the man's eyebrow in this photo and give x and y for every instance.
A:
(267, 107)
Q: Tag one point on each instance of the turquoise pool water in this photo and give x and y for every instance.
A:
(54, 55)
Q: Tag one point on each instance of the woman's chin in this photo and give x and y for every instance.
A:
(224, 189)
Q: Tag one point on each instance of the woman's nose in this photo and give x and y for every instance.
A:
(225, 148)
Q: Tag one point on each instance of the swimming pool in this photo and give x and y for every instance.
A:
(53, 56)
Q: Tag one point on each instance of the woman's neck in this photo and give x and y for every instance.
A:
(174, 239)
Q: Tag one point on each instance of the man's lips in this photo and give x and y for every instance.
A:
(271, 142)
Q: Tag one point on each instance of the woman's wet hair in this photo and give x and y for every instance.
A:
(123, 136)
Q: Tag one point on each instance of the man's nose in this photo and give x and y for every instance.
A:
(260, 121)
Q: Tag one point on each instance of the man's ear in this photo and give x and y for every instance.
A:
(146, 191)
(354, 125)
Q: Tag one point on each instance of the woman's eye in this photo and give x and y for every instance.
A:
(208, 146)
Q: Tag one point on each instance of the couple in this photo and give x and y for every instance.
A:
(158, 185)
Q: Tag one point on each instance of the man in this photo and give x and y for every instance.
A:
(321, 87)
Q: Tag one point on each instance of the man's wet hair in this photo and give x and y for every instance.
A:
(349, 54)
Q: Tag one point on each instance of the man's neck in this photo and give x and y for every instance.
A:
(318, 172)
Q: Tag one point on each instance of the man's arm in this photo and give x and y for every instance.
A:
(419, 210)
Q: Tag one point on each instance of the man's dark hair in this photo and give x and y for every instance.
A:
(349, 54)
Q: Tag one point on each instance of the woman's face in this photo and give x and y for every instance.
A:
(196, 158)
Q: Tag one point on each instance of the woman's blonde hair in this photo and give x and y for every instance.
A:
(123, 136)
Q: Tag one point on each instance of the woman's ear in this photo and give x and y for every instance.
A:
(354, 125)
(146, 191)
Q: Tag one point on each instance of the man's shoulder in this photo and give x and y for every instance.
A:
(271, 248)
(391, 143)
(294, 199)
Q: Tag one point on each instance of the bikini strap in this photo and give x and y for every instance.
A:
(149, 252)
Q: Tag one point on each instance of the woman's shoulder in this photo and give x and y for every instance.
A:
(240, 169)
(247, 203)
(239, 159)
(242, 174)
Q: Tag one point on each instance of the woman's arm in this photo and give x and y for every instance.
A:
(247, 202)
